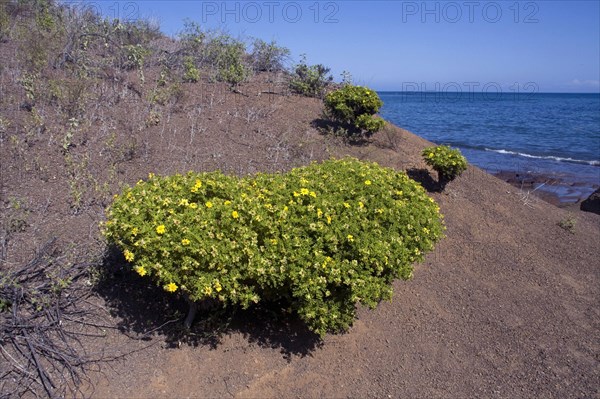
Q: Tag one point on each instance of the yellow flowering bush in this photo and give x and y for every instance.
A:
(322, 237)
(449, 163)
(356, 107)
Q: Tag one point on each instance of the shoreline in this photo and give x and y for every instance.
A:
(558, 192)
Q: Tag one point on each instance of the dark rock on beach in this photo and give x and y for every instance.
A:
(592, 203)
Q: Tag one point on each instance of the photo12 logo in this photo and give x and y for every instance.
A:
(269, 11)
(126, 11)
(469, 11)
(470, 91)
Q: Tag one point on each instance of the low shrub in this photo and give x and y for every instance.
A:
(226, 56)
(135, 56)
(192, 38)
(568, 224)
(310, 80)
(191, 74)
(323, 237)
(449, 163)
(268, 56)
(355, 106)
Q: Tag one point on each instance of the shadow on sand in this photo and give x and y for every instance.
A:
(148, 312)
(423, 177)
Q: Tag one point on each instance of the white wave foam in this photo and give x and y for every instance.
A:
(559, 159)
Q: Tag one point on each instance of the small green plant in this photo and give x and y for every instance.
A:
(355, 107)
(191, 74)
(310, 80)
(135, 56)
(268, 57)
(28, 83)
(153, 119)
(67, 141)
(4, 22)
(568, 224)
(321, 238)
(449, 163)
(5, 305)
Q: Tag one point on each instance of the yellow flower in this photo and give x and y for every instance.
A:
(235, 215)
(207, 290)
(296, 194)
(193, 205)
(319, 213)
(140, 270)
(328, 219)
(218, 286)
(128, 255)
(368, 182)
(431, 155)
(135, 231)
(208, 204)
(150, 175)
(227, 203)
(161, 229)
(171, 287)
(313, 194)
(196, 186)
(346, 205)
(361, 205)
(185, 241)
(273, 241)
(184, 202)
(304, 191)
(350, 237)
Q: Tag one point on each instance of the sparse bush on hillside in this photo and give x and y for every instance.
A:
(192, 38)
(355, 106)
(135, 56)
(69, 94)
(323, 237)
(191, 74)
(268, 57)
(310, 80)
(225, 57)
(449, 163)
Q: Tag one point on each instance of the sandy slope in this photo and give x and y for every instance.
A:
(507, 306)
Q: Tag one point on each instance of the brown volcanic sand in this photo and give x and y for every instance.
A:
(506, 306)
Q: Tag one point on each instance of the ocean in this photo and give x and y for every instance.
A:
(537, 134)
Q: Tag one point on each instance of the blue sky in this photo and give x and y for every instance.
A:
(545, 46)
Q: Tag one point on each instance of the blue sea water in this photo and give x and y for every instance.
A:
(534, 133)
